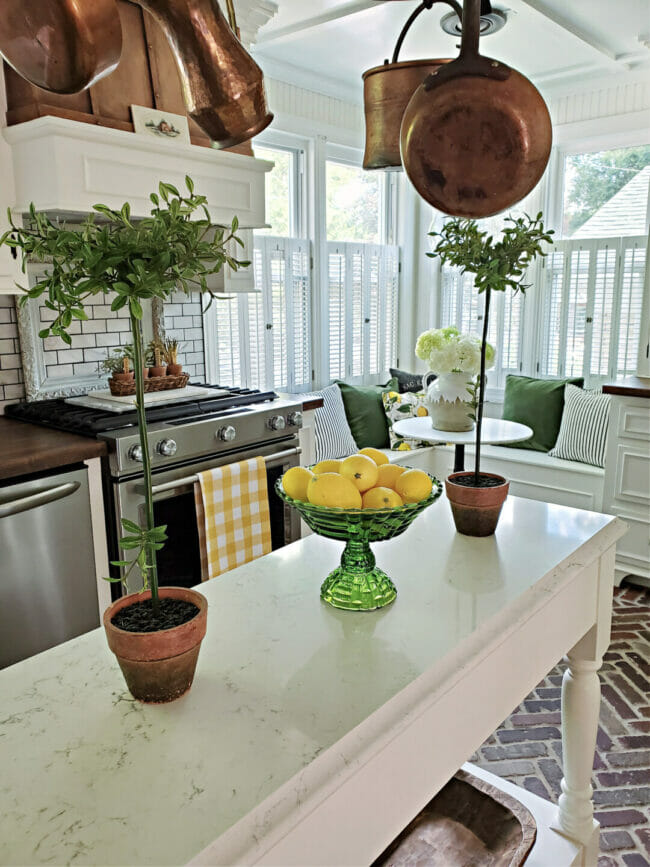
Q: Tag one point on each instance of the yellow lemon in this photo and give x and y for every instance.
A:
(361, 470)
(333, 490)
(295, 482)
(381, 498)
(413, 486)
(375, 455)
(422, 411)
(388, 475)
(326, 467)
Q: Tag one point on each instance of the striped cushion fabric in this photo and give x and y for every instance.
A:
(583, 430)
(331, 429)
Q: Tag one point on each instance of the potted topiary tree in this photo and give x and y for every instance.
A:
(477, 498)
(155, 634)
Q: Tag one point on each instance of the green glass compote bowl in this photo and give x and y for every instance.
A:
(357, 584)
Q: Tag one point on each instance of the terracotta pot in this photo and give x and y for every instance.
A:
(145, 373)
(174, 369)
(476, 510)
(123, 377)
(157, 371)
(158, 666)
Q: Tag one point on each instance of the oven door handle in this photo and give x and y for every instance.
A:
(190, 480)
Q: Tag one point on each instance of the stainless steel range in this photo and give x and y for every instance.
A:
(184, 439)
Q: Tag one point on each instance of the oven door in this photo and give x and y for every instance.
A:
(179, 562)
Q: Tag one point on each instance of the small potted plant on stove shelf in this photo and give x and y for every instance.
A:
(476, 498)
(156, 634)
(118, 364)
(171, 347)
(156, 352)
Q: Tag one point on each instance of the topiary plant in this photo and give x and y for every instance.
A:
(131, 261)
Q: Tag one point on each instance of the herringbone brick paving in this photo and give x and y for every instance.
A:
(527, 747)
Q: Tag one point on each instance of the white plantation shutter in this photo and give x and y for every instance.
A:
(461, 305)
(632, 273)
(592, 295)
(362, 296)
(263, 338)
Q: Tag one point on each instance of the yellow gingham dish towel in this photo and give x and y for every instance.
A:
(232, 510)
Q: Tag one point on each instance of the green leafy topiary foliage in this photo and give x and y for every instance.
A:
(497, 265)
(131, 260)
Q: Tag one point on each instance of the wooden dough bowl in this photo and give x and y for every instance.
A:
(469, 823)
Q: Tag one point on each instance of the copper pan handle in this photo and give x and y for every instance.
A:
(469, 61)
(426, 4)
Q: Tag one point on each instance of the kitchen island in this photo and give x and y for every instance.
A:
(312, 735)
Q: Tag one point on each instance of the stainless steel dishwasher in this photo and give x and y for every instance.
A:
(48, 589)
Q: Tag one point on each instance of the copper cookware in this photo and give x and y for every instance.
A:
(222, 85)
(476, 135)
(387, 90)
(61, 45)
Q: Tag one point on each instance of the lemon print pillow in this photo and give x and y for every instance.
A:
(399, 406)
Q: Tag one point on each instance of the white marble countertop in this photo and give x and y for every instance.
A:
(288, 691)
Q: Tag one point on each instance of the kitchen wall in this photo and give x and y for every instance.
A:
(11, 373)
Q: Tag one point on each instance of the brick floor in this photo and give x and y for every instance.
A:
(527, 749)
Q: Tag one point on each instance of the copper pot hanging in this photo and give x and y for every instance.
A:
(63, 46)
(387, 90)
(222, 85)
(476, 135)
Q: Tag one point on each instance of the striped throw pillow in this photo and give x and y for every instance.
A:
(331, 429)
(583, 429)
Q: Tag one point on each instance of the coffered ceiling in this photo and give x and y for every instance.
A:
(553, 42)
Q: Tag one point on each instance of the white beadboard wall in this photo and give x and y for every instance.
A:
(612, 98)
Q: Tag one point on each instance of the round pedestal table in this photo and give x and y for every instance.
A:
(495, 431)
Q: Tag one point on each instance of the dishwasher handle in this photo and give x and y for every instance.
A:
(42, 498)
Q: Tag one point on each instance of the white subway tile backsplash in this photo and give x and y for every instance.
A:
(14, 392)
(108, 339)
(5, 314)
(118, 325)
(80, 341)
(6, 346)
(93, 355)
(103, 311)
(60, 370)
(7, 330)
(53, 343)
(10, 362)
(88, 368)
(67, 356)
(183, 322)
(92, 326)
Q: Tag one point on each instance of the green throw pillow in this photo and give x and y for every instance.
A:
(539, 404)
(365, 413)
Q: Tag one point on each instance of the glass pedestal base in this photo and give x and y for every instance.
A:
(357, 584)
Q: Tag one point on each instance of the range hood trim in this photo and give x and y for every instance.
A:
(66, 167)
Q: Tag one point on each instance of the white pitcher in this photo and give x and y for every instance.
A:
(446, 400)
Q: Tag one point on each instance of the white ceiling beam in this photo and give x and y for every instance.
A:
(333, 14)
(610, 58)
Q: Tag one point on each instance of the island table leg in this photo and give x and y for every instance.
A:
(580, 712)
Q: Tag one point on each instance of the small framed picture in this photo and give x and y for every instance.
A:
(161, 125)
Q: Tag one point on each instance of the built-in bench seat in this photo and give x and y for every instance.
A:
(535, 475)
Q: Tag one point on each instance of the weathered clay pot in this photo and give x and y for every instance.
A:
(476, 511)
(174, 369)
(157, 371)
(158, 666)
(145, 373)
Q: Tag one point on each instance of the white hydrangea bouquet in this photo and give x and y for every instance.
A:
(455, 359)
(446, 350)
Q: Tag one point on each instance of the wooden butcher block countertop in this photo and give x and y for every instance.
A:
(28, 448)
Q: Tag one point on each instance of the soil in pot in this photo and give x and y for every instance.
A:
(140, 616)
(157, 656)
(476, 508)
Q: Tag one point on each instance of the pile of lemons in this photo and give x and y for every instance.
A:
(363, 481)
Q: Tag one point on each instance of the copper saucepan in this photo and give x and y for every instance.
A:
(387, 90)
(476, 135)
(222, 85)
(62, 46)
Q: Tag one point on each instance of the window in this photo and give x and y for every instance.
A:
(362, 275)
(592, 293)
(283, 191)
(606, 193)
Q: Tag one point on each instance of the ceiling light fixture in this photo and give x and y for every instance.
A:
(492, 20)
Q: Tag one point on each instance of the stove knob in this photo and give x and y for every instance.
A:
(167, 448)
(135, 454)
(227, 434)
(277, 422)
(295, 419)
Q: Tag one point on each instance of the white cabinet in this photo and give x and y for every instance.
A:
(10, 272)
(627, 481)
